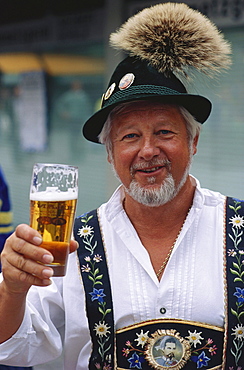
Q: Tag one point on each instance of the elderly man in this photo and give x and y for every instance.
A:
(150, 259)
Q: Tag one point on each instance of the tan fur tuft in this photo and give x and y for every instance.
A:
(174, 38)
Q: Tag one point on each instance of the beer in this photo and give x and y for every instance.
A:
(53, 197)
(53, 219)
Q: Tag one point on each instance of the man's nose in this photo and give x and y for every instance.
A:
(149, 148)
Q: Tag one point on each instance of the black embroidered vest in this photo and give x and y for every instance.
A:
(163, 344)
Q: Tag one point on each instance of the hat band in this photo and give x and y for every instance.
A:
(137, 92)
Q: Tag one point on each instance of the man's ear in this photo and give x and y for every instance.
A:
(194, 144)
(109, 159)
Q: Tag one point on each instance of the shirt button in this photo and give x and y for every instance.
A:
(162, 310)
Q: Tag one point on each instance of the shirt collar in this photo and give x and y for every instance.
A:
(115, 204)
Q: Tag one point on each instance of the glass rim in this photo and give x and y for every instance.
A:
(40, 164)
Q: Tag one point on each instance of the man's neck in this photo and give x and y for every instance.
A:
(158, 228)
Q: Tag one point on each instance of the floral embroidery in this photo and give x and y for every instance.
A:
(231, 253)
(136, 356)
(237, 270)
(237, 221)
(194, 338)
(85, 231)
(238, 331)
(97, 294)
(126, 351)
(104, 367)
(240, 296)
(102, 329)
(91, 267)
(201, 358)
(213, 349)
(142, 338)
(135, 361)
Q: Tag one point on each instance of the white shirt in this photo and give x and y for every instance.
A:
(192, 286)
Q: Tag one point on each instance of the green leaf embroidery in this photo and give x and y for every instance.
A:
(234, 272)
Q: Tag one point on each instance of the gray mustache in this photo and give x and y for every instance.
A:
(153, 163)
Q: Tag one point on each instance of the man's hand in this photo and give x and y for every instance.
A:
(22, 260)
(22, 265)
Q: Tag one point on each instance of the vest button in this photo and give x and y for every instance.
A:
(162, 310)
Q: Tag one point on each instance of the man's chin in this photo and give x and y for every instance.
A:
(152, 195)
(150, 187)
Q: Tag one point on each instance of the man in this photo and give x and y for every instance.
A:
(155, 265)
(168, 350)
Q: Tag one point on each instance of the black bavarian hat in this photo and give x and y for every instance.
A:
(134, 79)
(162, 41)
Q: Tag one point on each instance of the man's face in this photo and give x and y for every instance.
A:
(150, 145)
(169, 349)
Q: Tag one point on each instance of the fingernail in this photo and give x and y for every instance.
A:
(37, 240)
(47, 273)
(47, 258)
(46, 282)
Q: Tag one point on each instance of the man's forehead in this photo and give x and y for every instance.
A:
(170, 345)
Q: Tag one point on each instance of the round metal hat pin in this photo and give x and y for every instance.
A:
(126, 81)
(109, 91)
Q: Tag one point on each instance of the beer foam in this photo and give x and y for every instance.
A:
(54, 195)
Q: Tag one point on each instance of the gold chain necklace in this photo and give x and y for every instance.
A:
(171, 249)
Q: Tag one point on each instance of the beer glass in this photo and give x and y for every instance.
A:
(53, 198)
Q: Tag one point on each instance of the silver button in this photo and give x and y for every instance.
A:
(162, 310)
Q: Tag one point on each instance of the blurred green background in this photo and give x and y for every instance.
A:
(65, 43)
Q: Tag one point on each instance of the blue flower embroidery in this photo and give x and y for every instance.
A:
(240, 295)
(97, 294)
(135, 361)
(202, 360)
(93, 273)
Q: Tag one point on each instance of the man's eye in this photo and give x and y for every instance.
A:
(129, 136)
(164, 132)
(167, 133)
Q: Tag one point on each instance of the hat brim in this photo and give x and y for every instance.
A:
(198, 106)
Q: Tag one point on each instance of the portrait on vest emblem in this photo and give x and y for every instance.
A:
(167, 350)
